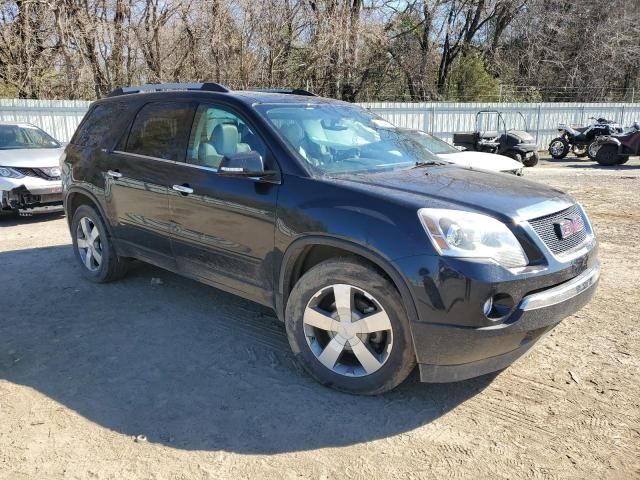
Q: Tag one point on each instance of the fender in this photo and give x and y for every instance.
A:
(93, 198)
(295, 248)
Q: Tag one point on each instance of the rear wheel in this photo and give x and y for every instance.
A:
(580, 151)
(623, 159)
(558, 148)
(608, 155)
(531, 161)
(347, 327)
(94, 248)
(592, 149)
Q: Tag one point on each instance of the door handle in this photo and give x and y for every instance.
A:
(183, 189)
(114, 173)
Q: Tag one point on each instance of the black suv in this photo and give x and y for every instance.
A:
(375, 254)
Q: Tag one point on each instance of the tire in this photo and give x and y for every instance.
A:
(559, 148)
(592, 150)
(390, 348)
(531, 161)
(622, 159)
(514, 155)
(98, 261)
(580, 152)
(608, 155)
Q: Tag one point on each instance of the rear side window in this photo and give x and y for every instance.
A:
(161, 130)
(97, 126)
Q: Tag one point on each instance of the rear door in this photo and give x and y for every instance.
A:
(224, 226)
(139, 175)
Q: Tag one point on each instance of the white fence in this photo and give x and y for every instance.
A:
(542, 119)
(61, 117)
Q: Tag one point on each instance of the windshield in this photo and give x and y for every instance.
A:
(24, 136)
(341, 138)
(431, 143)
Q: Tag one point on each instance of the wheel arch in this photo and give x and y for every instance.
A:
(304, 253)
(78, 196)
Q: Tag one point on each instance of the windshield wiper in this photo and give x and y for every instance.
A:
(429, 163)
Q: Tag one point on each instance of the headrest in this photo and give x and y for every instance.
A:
(293, 133)
(225, 138)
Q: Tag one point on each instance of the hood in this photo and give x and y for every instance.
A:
(30, 157)
(500, 195)
(525, 137)
(483, 160)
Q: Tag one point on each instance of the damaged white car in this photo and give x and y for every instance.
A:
(29, 170)
(478, 160)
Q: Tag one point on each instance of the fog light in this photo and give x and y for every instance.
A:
(498, 306)
(487, 307)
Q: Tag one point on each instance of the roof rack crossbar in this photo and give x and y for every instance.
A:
(289, 91)
(159, 87)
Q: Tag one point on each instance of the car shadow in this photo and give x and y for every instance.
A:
(10, 219)
(184, 364)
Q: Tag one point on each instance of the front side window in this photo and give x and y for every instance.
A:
(161, 130)
(341, 138)
(218, 132)
(25, 136)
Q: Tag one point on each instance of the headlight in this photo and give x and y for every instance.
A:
(455, 233)
(51, 171)
(10, 172)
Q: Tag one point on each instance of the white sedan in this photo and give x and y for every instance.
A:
(479, 160)
(29, 170)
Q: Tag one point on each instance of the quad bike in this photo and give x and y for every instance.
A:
(616, 149)
(513, 143)
(580, 140)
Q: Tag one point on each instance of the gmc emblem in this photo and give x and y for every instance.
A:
(569, 226)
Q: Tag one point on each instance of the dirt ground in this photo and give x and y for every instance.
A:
(207, 379)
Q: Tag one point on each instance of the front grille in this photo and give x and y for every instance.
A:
(546, 229)
(34, 172)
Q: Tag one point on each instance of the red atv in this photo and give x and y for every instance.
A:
(616, 149)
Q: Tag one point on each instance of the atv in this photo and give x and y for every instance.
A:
(616, 149)
(516, 144)
(580, 140)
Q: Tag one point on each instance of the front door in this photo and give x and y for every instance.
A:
(139, 174)
(224, 226)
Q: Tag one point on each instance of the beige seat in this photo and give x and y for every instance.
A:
(224, 140)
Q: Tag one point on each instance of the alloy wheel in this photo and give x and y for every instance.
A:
(348, 330)
(89, 244)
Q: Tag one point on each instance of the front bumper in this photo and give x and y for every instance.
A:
(453, 339)
(29, 192)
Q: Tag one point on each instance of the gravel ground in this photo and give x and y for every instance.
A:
(169, 378)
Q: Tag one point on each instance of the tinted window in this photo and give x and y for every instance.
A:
(97, 125)
(161, 130)
(218, 132)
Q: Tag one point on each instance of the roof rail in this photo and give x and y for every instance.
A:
(289, 91)
(160, 87)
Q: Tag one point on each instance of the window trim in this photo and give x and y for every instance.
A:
(276, 180)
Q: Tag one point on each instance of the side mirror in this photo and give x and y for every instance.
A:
(243, 164)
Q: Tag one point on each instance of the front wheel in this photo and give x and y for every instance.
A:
(531, 161)
(559, 148)
(608, 155)
(514, 155)
(348, 328)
